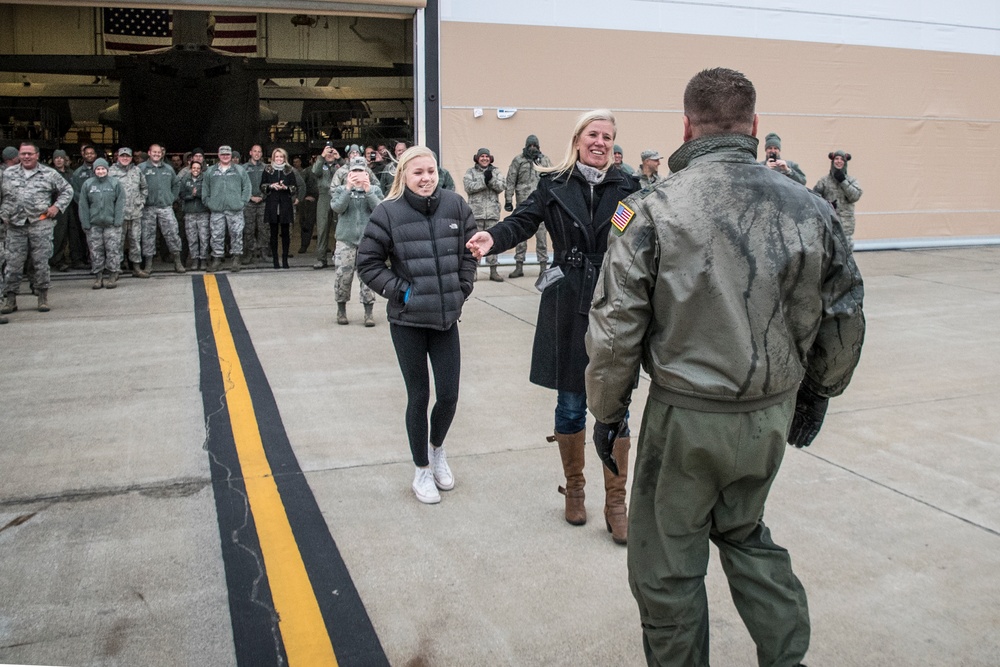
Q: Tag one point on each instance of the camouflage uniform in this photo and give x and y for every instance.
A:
(648, 181)
(729, 308)
(162, 188)
(25, 198)
(255, 227)
(483, 199)
(102, 210)
(522, 179)
(134, 182)
(841, 193)
(353, 208)
(225, 193)
(196, 216)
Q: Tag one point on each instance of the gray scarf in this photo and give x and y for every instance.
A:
(593, 176)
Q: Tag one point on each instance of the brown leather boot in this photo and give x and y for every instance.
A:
(615, 513)
(571, 447)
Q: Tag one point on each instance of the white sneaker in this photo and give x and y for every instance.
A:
(424, 487)
(442, 473)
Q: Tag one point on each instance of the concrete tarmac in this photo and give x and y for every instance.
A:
(110, 546)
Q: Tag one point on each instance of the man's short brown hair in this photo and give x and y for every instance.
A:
(719, 101)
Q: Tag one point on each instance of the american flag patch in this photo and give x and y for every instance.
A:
(623, 215)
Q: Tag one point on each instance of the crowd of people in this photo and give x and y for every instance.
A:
(729, 283)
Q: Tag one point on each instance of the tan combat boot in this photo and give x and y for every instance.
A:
(495, 275)
(369, 317)
(236, 264)
(98, 281)
(615, 512)
(571, 447)
(342, 313)
(147, 266)
(112, 281)
(518, 271)
(43, 301)
(9, 304)
(178, 264)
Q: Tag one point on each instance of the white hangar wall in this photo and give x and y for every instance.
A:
(909, 89)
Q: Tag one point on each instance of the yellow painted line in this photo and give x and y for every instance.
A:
(307, 643)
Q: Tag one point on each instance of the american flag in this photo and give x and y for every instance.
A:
(235, 33)
(136, 30)
(623, 215)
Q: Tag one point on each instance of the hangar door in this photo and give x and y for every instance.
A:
(203, 75)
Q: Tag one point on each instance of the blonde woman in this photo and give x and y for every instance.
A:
(422, 230)
(279, 185)
(576, 200)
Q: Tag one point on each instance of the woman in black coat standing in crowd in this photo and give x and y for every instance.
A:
(422, 230)
(279, 185)
(576, 200)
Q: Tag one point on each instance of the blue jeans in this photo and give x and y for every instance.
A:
(571, 413)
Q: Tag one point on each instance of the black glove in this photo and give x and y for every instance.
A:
(810, 408)
(839, 175)
(488, 174)
(604, 440)
(508, 207)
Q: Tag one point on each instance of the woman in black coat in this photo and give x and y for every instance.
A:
(576, 200)
(422, 231)
(279, 185)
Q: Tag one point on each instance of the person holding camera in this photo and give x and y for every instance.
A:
(841, 190)
(353, 202)
(772, 160)
(484, 183)
(324, 168)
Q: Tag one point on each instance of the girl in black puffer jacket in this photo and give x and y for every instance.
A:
(422, 231)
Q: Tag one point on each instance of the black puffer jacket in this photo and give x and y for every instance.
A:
(424, 239)
(578, 217)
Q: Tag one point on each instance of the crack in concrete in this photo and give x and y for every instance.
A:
(230, 480)
(167, 489)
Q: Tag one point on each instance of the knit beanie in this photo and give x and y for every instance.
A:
(772, 141)
(843, 154)
(618, 149)
(100, 162)
(482, 151)
(9, 153)
(59, 153)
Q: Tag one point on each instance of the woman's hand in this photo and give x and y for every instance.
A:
(480, 244)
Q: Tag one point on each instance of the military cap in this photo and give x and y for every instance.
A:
(225, 150)
(359, 164)
(9, 153)
(125, 150)
(650, 155)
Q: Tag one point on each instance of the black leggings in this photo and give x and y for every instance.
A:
(413, 346)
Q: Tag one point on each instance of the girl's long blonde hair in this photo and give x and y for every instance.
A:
(399, 182)
(572, 155)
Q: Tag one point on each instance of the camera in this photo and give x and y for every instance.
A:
(772, 156)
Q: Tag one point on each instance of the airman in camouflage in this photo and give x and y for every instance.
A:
(196, 217)
(483, 183)
(225, 191)
(255, 228)
(324, 169)
(522, 179)
(32, 195)
(102, 210)
(842, 190)
(162, 189)
(136, 190)
(649, 169)
(772, 160)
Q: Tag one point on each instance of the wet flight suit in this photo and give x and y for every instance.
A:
(731, 285)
